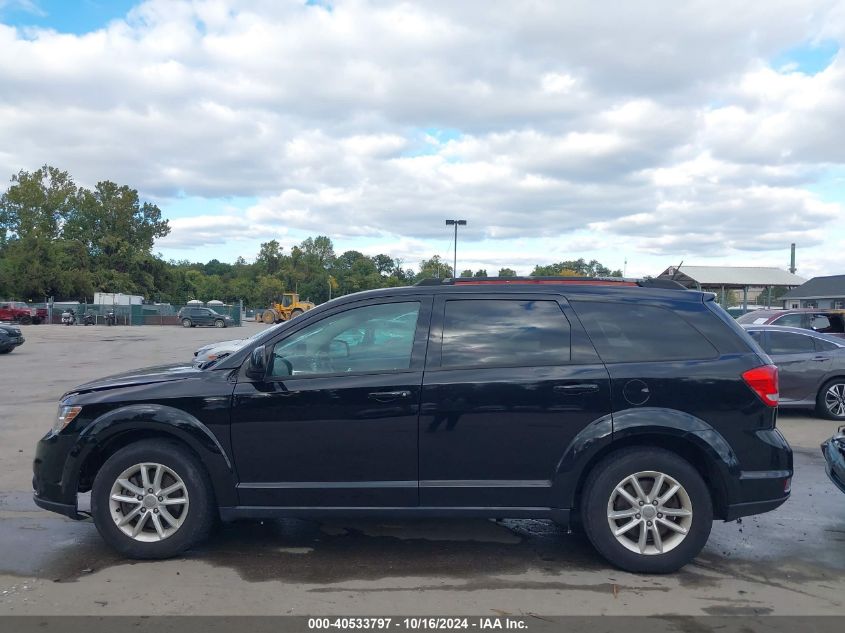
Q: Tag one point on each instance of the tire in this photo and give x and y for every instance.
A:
(830, 401)
(269, 317)
(187, 323)
(26, 320)
(195, 519)
(219, 323)
(600, 491)
(296, 313)
(6, 351)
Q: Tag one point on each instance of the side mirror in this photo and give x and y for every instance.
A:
(257, 365)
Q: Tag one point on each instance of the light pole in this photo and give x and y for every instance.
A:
(456, 224)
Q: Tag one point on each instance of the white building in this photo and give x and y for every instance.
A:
(117, 299)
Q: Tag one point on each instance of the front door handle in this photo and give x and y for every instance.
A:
(389, 396)
(820, 359)
(581, 387)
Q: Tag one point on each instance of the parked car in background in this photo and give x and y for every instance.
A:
(811, 367)
(209, 354)
(834, 456)
(640, 410)
(19, 312)
(10, 338)
(193, 317)
(824, 321)
(738, 311)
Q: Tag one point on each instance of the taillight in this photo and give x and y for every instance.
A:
(764, 382)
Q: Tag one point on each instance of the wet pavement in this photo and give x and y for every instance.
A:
(791, 560)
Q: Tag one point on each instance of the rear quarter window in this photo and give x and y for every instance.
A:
(633, 332)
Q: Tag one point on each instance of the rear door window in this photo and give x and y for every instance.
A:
(825, 346)
(791, 320)
(782, 343)
(630, 332)
(510, 333)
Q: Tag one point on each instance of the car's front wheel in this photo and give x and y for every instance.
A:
(830, 402)
(647, 510)
(219, 323)
(152, 499)
(187, 323)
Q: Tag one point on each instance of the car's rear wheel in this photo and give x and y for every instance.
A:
(152, 499)
(830, 402)
(26, 320)
(6, 351)
(219, 323)
(186, 323)
(647, 510)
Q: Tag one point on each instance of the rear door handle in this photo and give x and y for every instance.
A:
(389, 396)
(582, 387)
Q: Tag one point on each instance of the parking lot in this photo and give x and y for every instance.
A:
(791, 561)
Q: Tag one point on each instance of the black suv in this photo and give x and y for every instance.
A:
(10, 338)
(639, 412)
(192, 317)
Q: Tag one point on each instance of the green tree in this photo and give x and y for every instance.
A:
(577, 267)
(507, 272)
(32, 212)
(434, 268)
(269, 258)
(466, 273)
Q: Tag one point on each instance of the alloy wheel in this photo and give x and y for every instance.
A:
(834, 400)
(649, 513)
(149, 502)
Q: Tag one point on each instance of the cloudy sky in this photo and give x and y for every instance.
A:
(711, 132)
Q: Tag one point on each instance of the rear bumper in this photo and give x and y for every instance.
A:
(757, 491)
(739, 510)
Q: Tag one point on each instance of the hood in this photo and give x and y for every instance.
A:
(222, 344)
(145, 376)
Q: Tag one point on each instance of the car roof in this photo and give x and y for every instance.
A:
(570, 286)
(799, 310)
(795, 330)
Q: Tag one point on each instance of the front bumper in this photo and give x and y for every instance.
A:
(12, 342)
(65, 509)
(55, 484)
(834, 457)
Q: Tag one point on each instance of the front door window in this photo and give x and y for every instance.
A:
(369, 339)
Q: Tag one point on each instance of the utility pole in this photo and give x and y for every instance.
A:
(456, 224)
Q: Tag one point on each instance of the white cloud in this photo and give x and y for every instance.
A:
(660, 127)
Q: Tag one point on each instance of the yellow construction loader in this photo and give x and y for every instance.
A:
(289, 307)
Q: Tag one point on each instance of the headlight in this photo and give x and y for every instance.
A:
(66, 416)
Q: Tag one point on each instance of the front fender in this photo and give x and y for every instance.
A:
(629, 427)
(156, 419)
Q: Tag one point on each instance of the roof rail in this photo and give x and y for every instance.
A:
(666, 284)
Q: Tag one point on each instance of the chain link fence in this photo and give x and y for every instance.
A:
(144, 314)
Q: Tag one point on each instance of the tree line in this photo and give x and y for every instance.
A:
(64, 241)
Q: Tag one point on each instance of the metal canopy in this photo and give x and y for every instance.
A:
(731, 277)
